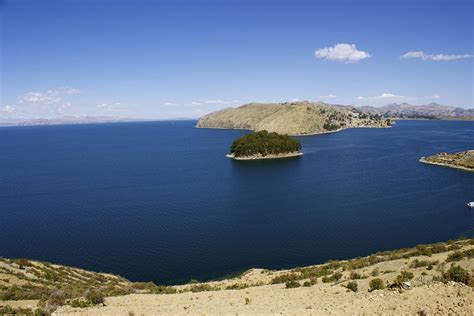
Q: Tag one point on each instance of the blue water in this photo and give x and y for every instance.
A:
(159, 201)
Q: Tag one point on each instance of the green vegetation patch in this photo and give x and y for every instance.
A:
(264, 143)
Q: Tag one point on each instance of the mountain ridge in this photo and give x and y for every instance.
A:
(292, 118)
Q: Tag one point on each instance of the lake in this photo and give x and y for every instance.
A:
(159, 201)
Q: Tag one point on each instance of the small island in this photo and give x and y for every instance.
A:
(462, 160)
(264, 145)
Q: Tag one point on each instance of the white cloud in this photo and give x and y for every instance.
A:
(434, 96)
(8, 109)
(71, 90)
(196, 103)
(170, 104)
(222, 102)
(434, 57)
(383, 96)
(43, 104)
(345, 53)
(111, 106)
(329, 96)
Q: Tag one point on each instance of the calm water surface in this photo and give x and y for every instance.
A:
(159, 201)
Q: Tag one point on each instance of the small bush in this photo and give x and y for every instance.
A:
(403, 277)
(352, 286)
(237, 286)
(355, 276)
(161, 289)
(94, 297)
(457, 274)
(285, 278)
(422, 263)
(202, 288)
(307, 284)
(375, 272)
(292, 284)
(376, 284)
(455, 256)
(80, 303)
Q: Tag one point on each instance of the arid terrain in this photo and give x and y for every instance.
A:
(426, 280)
(461, 160)
(295, 118)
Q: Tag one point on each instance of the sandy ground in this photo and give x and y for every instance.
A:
(425, 297)
(435, 299)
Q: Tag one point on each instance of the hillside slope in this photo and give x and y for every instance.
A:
(431, 110)
(297, 118)
(432, 279)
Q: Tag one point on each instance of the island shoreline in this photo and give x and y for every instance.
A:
(423, 160)
(273, 156)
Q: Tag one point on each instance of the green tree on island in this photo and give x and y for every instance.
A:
(264, 143)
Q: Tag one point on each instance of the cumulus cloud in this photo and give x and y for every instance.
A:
(70, 90)
(329, 96)
(383, 96)
(8, 109)
(45, 104)
(222, 102)
(111, 106)
(433, 57)
(345, 53)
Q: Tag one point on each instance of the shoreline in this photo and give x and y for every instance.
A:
(277, 156)
(423, 160)
(317, 289)
(294, 135)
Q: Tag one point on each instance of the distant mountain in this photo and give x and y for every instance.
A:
(295, 118)
(432, 110)
(66, 120)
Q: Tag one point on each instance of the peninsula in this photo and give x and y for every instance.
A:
(295, 118)
(264, 145)
(462, 160)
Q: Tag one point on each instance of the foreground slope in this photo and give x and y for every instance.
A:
(297, 118)
(410, 281)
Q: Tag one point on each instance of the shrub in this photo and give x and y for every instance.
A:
(352, 286)
(457, 274)
(422, 263)
(307, 283)
(94, 297)
(455, 256)
(237, 286)
(376, 284)
(57, 298)
(202, 288)
(292, 284)
(355, 275)
(375, 272)
(285, 278)
(161, 289)
(403, 277)
(80, 303)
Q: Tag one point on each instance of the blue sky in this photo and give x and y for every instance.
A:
(165, 59)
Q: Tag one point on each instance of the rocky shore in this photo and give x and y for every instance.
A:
(461, 160)
(272, 156)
